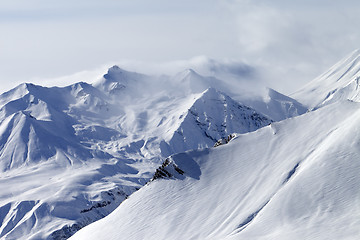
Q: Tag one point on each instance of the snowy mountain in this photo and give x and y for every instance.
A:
(340, 82)
(212, 116)
(295, 179)
(69, 156)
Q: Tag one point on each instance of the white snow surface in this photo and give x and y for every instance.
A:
(295, 179)
(340, 82)
(71, 155)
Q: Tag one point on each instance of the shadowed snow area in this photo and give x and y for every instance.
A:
(69, 156)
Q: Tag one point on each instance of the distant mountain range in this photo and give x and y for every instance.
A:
(69, 156)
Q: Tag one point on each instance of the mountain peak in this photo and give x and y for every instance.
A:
(275, 95)
(115, 68)
(187, 73)
(191, 71)
(18, 92)
(193, 82)
(116, 79)
(211, 91)
(354, 54)
(24, 87)
(212, 116)
(115, 72)
(275, 105)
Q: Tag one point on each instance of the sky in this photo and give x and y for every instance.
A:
(287, 43)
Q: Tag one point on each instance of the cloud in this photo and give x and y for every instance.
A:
(236, 76)
(293, 41)
(51, 38)
(88, 76)
(286, 43)
(203, 65)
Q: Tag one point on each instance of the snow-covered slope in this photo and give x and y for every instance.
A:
(296, 179)
(71, 155)
(339, 82)
(49, 167)
(276, 105)
(32, 130)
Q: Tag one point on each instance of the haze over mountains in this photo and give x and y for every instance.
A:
(69, 156)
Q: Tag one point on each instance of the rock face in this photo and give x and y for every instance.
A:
(71, 155)
(167, 170)
(225, 140)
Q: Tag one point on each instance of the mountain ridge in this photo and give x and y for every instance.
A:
(78, 151)
(293, 179)
(238, 190)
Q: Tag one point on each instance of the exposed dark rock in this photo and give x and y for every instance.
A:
(224, 140)
(166, 170)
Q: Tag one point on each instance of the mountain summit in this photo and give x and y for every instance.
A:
(213, 116)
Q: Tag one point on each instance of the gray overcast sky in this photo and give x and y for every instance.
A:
(289, 42)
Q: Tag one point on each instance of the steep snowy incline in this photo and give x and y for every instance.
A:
(296, 179)
(340, 82)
